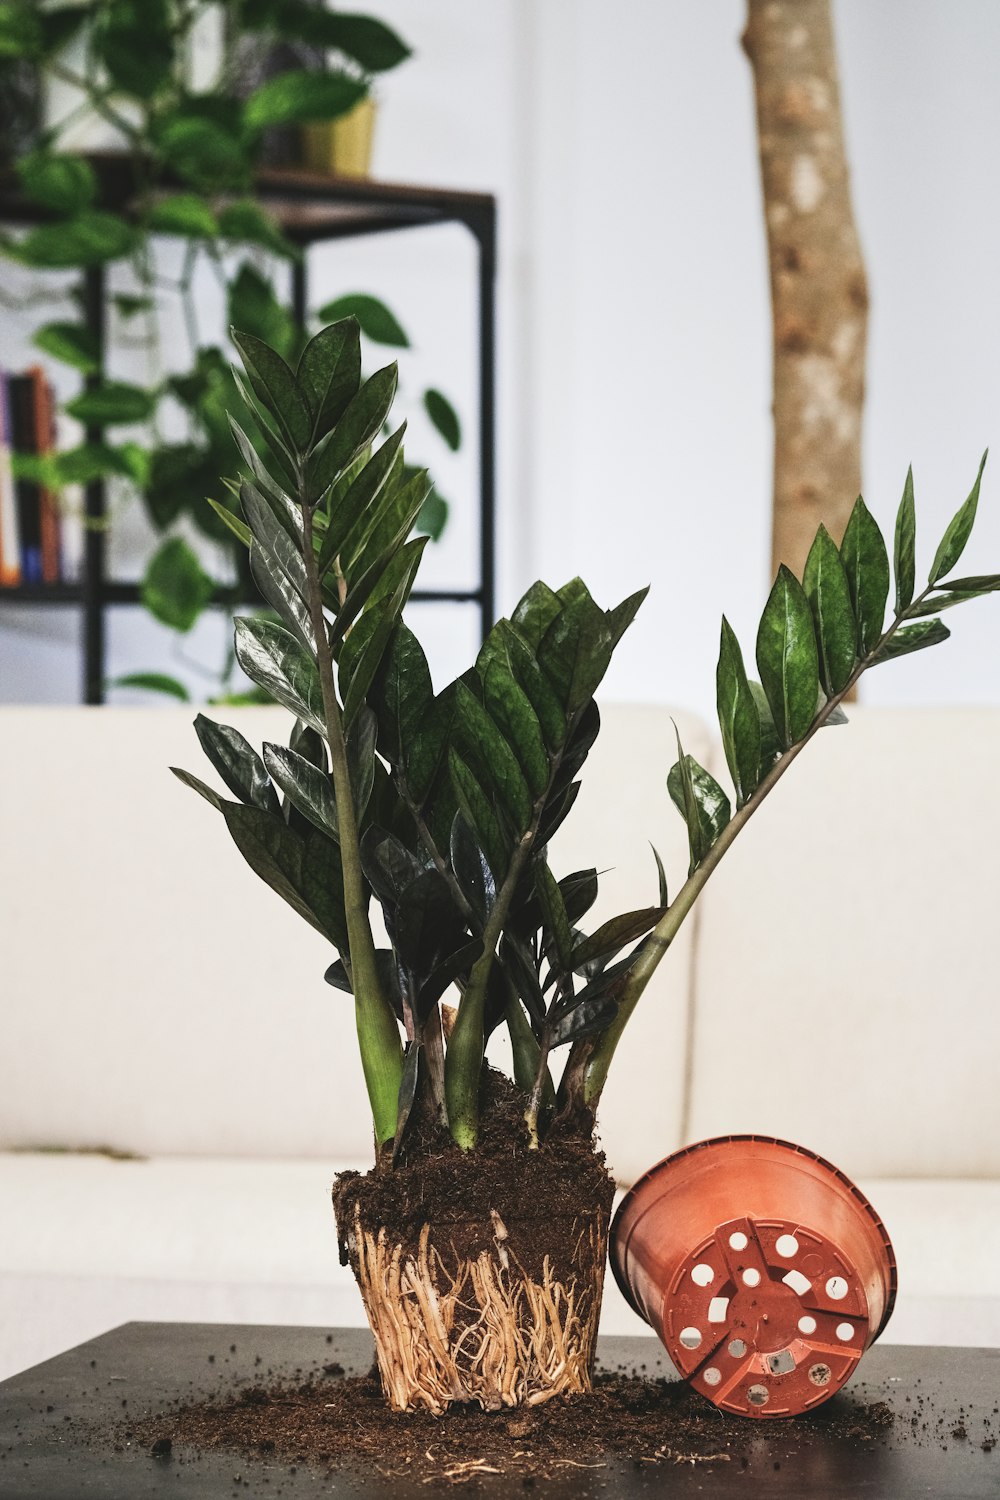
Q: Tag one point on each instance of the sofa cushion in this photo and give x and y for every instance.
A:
(846, 962)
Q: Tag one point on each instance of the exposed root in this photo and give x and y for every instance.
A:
(483, 1330)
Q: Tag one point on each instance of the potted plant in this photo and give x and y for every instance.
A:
(479, 1237)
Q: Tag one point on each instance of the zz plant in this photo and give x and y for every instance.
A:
(442, 805)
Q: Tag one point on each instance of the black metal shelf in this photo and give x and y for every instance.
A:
(311, 209)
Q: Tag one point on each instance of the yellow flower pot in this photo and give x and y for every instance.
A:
(341, 147)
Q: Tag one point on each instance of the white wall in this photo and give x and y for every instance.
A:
(634, 362)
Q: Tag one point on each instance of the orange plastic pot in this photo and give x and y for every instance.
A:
(764, 1270)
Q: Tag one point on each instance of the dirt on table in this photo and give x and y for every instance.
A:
(343, 1424)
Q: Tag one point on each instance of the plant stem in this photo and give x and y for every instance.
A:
(378, 1032)
(587, 1069)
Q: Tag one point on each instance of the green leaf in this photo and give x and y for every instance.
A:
(304, 871)
(89, 239)
(701, 802)
(535, 613)
(275, 387)
(576, 651)
(373, 317)
(947, 599)
(176, 588)
(273, 659)
(913, 638)
(298, 96)
(905, 549)
(770, 749)
(153, 682)
(478, 810)
(66, 184)
(559, 948)
(661, 877)
(71, 343)
(240, 531)
(20, 30)
(978, 583)
(238, 764)
(279, 591)
(829, 595)
(866, 564)
(432, 517)
(535, 685)
(329, 373)
(203, 152)
(253, 307)
(404, 694)
(112, 403)
(363, 672)
(614, 935)
(307, 787)
(620, 618)
(787, 658)
(184, 214)
(370, 42)
(361, 759)
(739, 720)
(134, 40)
(958, 532)
(472, 869)
(583, 1018)
(509, 708)
(444, 417)
(209, 793)
(356, 430)
(60, 25)
(128, 306)
(245, 222)
(355, 515)
(485, 749)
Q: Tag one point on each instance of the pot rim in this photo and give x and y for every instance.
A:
(767, 1140)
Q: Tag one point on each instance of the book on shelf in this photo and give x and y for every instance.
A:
(31, 529)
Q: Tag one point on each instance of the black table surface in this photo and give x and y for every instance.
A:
(49, 1416)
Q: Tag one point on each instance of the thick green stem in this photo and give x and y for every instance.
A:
(378, 1033)
(590, 1060)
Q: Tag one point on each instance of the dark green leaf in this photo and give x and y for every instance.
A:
(204, 152)
(866, 564)
(472, 870)
(586, 1018)
(209, 793)
(913, 638)
(576, 651)
(153, 682)
(134, 41)
(829, 595)
(304, 871)
(408, 1085)
(904, 551)
(661, 877)
(614, 935)
(378, 577)
(249, 224)
(298, 96)
(509, 708)
(253, 307)
(71, 343)
(701, 802)
(367, 664)
(374, 318)
(787, 658)
(559, 947)
(739, 720)
(356, 513)
(557, 810)
(620, 618)
(112, 403)
(272, 657)
(176, 588)
(535, 685)
(519, 965)
(370, 42)
(184, 214)
(66, 184)
(479, 813)
(769, 746)
(356, 430)
(60, 25)
(89, 239)
(128, 306)
(389, 865)
(947, 599)
(958, 532)
(329, 373)
(233, 522)
(484, 747)
(277, 590)
(535, 613)
(978, 583)
(275, 387)
(20, 30)
(237, 763)
(305, 785)
(444, 417)
(404, 694)
(361, 759)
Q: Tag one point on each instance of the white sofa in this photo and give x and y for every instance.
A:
(836, 987)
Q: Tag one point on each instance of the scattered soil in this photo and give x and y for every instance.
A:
(343, 1424)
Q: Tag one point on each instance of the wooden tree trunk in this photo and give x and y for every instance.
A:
(819, 295)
